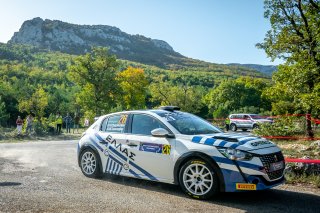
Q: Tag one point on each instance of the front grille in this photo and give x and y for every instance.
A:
(267, 160)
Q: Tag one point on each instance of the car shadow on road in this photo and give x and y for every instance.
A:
(273, 200)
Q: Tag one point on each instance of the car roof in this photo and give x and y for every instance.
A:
(159, 112)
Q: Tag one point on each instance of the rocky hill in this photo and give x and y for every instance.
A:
(78, 39)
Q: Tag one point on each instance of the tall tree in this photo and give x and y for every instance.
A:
(133, 83)
(295, 38)
(36, 104)
(235, 95)
(96, 73)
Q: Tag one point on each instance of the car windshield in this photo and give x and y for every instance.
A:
(189, 124)
(254, 116)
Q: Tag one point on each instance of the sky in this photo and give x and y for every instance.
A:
(218, 31)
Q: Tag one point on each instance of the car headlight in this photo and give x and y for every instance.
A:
(235, 154)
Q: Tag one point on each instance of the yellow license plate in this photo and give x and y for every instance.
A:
(246, 186)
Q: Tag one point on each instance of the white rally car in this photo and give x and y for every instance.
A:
(176, 147)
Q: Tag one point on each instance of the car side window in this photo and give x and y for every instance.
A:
(144, 124)
(103, 126)
(115, 123)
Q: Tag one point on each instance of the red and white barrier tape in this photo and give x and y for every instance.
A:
(293, 160)
(291, 138)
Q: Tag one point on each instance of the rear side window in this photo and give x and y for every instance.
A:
(114, 123)
(144, 124)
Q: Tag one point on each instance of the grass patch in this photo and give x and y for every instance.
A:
(303, 179)
(9, 135)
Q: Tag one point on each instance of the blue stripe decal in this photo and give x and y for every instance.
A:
(99, 137)
(223, 160)
(196, 139)
(116, 160)
(114, 166)
(143, 171)
(240, 163)
(209, 141)
(119, 171)
(222, 143)
(249, 165)
(246, 140)
(234, 146)
(135, 174)
(97, 145)
(117, 153)
(107, 164)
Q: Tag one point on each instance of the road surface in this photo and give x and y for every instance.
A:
(45, 177)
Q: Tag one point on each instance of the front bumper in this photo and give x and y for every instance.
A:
(251, 175)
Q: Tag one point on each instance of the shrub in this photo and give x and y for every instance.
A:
(284, 126)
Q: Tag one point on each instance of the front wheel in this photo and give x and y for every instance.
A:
(233, 127)
(89, 164)
(255, 126)
(198, 179)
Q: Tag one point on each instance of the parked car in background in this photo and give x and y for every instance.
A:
(247, 121)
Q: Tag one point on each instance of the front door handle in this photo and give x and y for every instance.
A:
(132, 144)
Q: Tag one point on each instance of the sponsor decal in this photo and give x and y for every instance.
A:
(126, 166)
(197, 162)
(155, 148)
(166, 149)
(246, 186)
(119, 147)
(260, 143)
(151, 147)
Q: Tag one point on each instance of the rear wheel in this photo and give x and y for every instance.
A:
(233, 127)
(198, 179)
(255, 126)
(89, 164)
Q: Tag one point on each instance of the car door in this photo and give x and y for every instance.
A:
(112, 137)
(247, 122)
(153, 155)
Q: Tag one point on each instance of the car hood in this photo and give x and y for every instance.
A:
(236, 141)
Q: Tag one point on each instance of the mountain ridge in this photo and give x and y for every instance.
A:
(78, 39)
(56, 35)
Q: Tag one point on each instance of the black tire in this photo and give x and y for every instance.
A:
(202, 188)
(244, 130)
(255, 126)
(89, 159)
(233, 127)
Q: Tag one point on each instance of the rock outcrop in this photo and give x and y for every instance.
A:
(78, 39)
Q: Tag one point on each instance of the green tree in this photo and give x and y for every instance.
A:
(133, 83)
(36, 104)
(3, 112)
(236, 96)
(188, 98)
(96, 73)
(294, 37)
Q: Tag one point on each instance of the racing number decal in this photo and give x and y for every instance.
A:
(166, 149)
(123, 119)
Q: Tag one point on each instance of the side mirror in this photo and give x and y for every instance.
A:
(160, 132)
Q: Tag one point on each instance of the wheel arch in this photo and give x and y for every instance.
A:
(94, 149)
(190, 155)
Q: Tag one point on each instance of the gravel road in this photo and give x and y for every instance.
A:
(45, 177)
